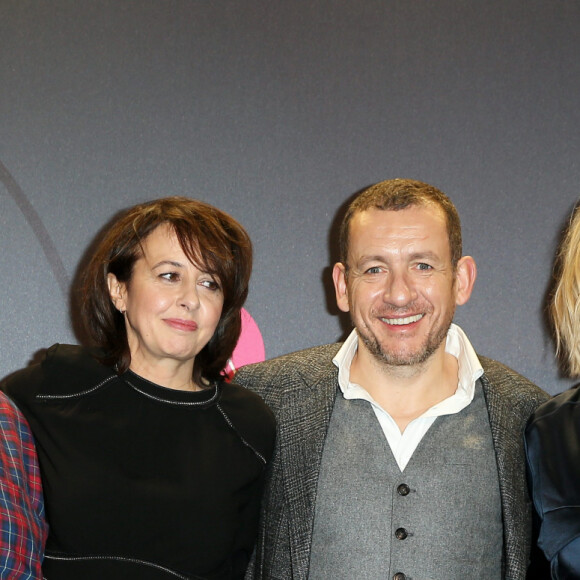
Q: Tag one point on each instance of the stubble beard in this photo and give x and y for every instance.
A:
(405, 359)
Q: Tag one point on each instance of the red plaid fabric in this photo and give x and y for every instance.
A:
(22, 525)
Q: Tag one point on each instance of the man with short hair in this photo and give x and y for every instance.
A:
(399, 452)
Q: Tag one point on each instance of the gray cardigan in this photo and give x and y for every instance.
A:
(300, 388)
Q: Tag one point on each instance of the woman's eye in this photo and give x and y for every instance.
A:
(210, 284)
(170, 276)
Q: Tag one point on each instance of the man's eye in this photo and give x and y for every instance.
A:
(424, 266)
(373, 270)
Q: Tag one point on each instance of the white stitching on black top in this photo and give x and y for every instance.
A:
(40, 396)
(256, 452)
(189, 403)
(65, 558)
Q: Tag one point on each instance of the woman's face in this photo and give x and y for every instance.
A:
(171, 307)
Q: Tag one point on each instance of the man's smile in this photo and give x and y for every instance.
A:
(402, 321)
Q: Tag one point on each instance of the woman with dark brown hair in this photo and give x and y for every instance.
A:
(152, 464)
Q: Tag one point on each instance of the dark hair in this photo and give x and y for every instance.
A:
(398, 194)
(213, 241)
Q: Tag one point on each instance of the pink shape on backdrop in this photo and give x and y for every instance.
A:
(250, 347)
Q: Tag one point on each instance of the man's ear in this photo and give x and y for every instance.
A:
(465, 276)
(339, 279)
(117, 292)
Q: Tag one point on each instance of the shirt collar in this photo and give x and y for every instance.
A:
(457, 344)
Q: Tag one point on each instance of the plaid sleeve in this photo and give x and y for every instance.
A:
(22, 525)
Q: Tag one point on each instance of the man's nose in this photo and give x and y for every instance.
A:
(399, 288)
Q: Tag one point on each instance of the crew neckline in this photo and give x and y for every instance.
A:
(204, 397)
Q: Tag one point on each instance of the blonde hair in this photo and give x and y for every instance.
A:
(564, 306)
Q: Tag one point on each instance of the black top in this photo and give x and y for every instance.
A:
(553, 454)
(141, 481)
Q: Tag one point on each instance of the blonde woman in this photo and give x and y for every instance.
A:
(553, 433)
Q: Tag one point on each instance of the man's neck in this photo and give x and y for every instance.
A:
(406, 392)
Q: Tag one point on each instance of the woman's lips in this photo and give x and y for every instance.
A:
(181, 324)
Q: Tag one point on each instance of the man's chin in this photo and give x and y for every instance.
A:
(400, 358)
(403, 359)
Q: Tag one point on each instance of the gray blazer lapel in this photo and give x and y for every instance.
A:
(511, 399)
(303, 424)
(511, 472)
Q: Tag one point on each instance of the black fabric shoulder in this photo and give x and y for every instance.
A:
(70, 369)
(65, 370)
(562, 404)
(250, 416)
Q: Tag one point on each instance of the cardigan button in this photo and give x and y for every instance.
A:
(401, 533)
(399, 576)
(403, 489)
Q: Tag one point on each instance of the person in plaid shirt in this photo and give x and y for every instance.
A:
(22, 525)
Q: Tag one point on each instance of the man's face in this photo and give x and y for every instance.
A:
(400, 288)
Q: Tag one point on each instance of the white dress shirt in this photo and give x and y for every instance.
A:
(404, 444)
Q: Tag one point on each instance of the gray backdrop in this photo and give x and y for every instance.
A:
(278, 112)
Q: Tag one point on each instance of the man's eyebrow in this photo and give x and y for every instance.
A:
(378, 258)
(363, 260)
(423, 255)
(371, 258)
(413, 256)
